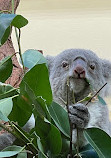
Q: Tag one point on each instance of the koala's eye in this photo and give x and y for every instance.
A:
(92, 66)
(65, 64)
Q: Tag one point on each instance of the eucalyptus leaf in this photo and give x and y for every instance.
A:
(35, 85)
(19, 21)
(41, 106)
(7, 90)
(50, 136)
(54, 140)
(60, 118)
(5, 68)
(101, 100)
(42, 128)
(41, 154)
(88, 152)
(10, 151)
(32, 57)
(21, 111)
(22, 155)
(6, 106)
(3, 117)
(8, 20)
(100, 141)
(37, 79)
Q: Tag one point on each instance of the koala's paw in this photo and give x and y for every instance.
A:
(79, 115)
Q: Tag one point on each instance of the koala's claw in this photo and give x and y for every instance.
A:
(79, 115)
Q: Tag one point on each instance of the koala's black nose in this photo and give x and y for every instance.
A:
(79, 72)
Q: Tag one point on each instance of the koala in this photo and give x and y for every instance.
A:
(84, 69)
(86, 73)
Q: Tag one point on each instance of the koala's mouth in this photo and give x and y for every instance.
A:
(80, 86)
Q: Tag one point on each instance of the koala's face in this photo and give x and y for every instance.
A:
(79, 66)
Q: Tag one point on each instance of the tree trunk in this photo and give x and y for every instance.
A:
(8, 49)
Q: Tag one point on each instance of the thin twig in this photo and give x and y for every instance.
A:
(77, 147)
(63, 100)
(73, 96)
(20, 53)
(26, 140)
(12, 6)
(96, 93)
(67, 105)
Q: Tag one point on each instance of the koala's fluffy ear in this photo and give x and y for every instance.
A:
(106, 68)
(50, 60)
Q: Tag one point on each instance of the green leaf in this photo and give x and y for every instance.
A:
(3, 117)
(37, 80)
(42, 128)
(100, 141)
(49, 135)
(41, 107)
(7, 90)
(60, 118)
(32, 57)
(10, 151)
(35, 85)
(41, 154)
(19, 21)
(101, 100)
(6, 106)
(88, 152)
(21, 111)
(8, 20)
(5, 68)
(54, 140)
(22, 155)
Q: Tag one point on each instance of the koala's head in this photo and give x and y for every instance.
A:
(79, 66)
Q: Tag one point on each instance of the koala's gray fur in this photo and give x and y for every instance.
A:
(94, 114)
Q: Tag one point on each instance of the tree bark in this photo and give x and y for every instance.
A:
(8, 49)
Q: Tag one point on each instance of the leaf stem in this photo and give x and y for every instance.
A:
(67, 105)
(18, 41)
(12, 6)
(26, 139)
(77, 147)
(96, 93)
(63, 100)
